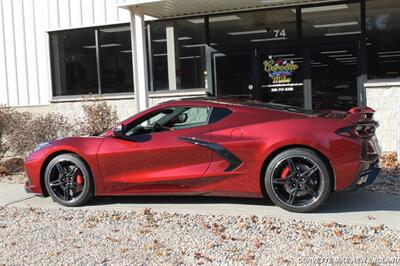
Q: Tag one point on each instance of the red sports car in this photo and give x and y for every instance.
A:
(218, 147)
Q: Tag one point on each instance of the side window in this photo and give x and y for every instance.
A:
(192, 117)
(168, 119)
(218, 114)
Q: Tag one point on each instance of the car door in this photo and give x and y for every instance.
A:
(156, 161)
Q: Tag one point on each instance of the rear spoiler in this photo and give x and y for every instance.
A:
(358, 114)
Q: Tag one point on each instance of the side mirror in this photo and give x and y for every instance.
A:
(118, 131)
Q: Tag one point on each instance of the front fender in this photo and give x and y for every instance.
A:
(84, 147)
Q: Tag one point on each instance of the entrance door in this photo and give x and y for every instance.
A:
(233, 73)
(334, 77)
(281, 76)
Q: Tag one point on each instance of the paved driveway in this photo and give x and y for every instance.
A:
(360, 207)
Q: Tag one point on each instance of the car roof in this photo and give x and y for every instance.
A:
(241, 101)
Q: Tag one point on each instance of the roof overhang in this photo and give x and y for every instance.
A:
(164, 9)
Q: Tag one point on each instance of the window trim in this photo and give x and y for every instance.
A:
(96, 32)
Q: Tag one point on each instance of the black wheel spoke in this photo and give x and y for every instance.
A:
(74, 187)
(60, 168)
(309, 172)
(56, 183)
(292, 166)
(310, 190)
(292, 195)
(281, 181)
(74, 170)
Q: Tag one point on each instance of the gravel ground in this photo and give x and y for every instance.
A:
(73, 236)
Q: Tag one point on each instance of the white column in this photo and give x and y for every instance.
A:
(398, 132)
(171, 57)
(139, 59)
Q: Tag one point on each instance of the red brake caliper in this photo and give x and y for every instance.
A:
(285, 172)
(79, 179)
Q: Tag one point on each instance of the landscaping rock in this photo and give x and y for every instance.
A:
(94, 237)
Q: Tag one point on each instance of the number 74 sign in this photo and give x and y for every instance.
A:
(280, 33)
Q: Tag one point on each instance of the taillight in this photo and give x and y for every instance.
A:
(358, 131)
(365, 131)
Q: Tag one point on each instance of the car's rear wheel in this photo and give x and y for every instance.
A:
(297, 180)
(68, 180)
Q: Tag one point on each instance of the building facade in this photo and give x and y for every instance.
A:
(317, 54)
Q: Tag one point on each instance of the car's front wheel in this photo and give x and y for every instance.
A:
(297, 180)
(68, 180)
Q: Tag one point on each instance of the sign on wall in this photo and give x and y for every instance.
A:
(280, 72)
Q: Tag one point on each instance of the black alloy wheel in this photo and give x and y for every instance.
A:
(298, 180)
(68, 180)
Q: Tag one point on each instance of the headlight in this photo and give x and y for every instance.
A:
(41, 146)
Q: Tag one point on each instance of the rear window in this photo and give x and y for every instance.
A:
(218, 114)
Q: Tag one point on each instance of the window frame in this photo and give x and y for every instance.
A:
(96, 32)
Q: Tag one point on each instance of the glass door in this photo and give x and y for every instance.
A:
(281, 76)
(334, 77)
(233, 74)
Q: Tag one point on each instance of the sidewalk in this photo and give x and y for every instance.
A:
(361, 207)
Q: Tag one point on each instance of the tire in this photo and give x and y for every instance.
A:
(68, 180)
(298, 180)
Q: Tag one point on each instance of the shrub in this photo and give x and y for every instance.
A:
(7, 122)
(12, 165)
(35, 129)
(21, 132)
(98, 117)
(3, 170)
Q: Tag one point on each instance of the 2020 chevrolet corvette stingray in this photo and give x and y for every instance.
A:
(220, 147)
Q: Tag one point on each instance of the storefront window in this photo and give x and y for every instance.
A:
(178, 54)
(74, 62)
(253, 27)
(331, 20)
(116, 59)
(383, 44)
(334, 77)
(75, 65)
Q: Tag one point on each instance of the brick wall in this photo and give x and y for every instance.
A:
(384, 97)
